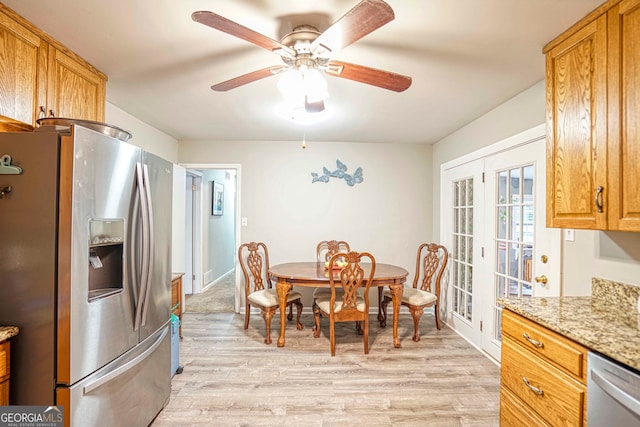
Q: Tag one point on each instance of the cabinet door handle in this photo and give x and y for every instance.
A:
(536, 343)
(533, 388)
(598, 198)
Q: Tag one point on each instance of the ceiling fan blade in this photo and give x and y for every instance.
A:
(223, 24)
(365, 17)
(368, 75)
(247, 78)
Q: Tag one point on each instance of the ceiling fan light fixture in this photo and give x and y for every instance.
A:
(302, 117)
(299, 113)
(315, 86)
(290, 84)
(296, 84)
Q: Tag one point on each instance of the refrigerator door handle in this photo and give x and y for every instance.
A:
(150, 241)
(144, 275)
(126, 366)
(133, 255)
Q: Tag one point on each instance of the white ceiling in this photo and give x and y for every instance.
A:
(465, 57)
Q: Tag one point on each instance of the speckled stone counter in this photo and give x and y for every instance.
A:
(607, 322)
(7, 332)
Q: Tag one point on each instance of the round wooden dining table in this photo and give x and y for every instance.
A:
(313, 274)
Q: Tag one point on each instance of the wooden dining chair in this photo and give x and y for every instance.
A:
(349, 306)
(259, 291)
(324, 251)
(431, 262)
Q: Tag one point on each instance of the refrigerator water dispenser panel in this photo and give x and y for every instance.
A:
(106, 262)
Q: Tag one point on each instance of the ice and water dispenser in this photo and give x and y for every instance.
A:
(106, 257)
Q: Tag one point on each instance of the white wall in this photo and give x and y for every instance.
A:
(144, 136)
(610, 255)
(178, 238)
(388, 214)
(219, 246)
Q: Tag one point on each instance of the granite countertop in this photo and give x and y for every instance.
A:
(7, 332)
(607, 322)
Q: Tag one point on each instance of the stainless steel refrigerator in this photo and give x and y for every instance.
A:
(85, 273)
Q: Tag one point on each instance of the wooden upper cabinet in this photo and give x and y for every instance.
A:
(624, 117)
(576, 127)
(39, 78)
(593, 103)
(22, 74)
(73, 89)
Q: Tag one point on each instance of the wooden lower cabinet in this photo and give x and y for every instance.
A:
(176, 298)
(4, 373)
(513, 412)
(543, 376)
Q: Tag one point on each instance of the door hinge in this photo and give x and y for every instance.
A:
(482, 252)
(481, 326)
(193, 277)
(193, 187)
(483, 177)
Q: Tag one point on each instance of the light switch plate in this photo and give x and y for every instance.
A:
(243, 221)
(569, 234)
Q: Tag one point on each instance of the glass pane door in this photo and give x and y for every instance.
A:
(518, 242)
(514, 215)
(462, 254)
(462, 220)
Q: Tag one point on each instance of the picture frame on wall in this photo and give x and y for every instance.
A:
(217, 199)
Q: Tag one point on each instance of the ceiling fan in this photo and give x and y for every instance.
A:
(305, 49)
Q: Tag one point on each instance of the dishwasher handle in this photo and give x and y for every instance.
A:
(621, 396)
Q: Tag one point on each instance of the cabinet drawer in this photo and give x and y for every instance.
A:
(514, 413)
(561, 399)
(553, 347)
(4, 393)
(4, 361)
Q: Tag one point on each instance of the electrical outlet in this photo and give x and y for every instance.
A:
(243, 221)
(569, 234)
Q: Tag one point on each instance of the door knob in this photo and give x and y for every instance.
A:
(542, 279)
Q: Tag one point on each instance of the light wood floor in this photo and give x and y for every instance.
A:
(231, 378)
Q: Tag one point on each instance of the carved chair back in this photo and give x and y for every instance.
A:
(431, 262)
(328, 248)
(350, 279)
(254, 262)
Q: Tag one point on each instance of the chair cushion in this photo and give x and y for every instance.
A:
(317, 292)
(269, 297)
(324, 303)
(415, 296)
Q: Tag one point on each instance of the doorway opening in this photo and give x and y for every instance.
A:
(212, 227)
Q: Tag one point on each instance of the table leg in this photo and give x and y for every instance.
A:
(396, 295)
(283, 289)
(380, 296)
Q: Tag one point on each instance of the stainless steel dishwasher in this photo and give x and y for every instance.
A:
(613, 393)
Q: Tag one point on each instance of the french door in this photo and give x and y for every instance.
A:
(497, 237)
(462, 194)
